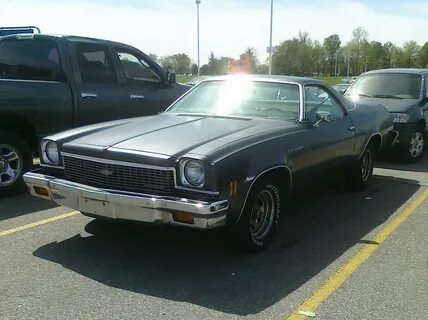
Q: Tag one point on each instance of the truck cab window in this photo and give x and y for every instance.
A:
(319, 99)
(31, 59)
(95, 63)
(136, 69)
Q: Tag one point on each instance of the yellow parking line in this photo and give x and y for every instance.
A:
(317, 297)
(37, 223)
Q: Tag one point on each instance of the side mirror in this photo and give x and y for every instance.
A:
(322, 116)
(170, 77)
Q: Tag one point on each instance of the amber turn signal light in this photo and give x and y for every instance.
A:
(183, 217)
(42, 191)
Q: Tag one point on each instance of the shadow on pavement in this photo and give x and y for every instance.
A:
(24, 203)
(391, 160)
(201, 268)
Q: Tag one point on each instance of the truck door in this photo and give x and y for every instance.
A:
(100, 95)
(147, 94)
(328, 143)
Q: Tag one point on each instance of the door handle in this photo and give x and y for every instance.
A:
(88, 95)
(137, 96)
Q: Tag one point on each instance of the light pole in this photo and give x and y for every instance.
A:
(270, 42)
(198, 2)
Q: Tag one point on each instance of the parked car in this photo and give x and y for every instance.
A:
(194, 81)
(341, 88)
(224, 154)
(404, 92)
(50, 84)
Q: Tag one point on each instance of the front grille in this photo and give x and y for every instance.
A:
(119, 177)
(127, 178)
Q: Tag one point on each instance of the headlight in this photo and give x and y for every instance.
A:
(51, 152)
(193, 173)
(400, 117)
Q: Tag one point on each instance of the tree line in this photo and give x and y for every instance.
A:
(303, 56)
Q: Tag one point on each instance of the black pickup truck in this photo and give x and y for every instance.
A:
(52, 83)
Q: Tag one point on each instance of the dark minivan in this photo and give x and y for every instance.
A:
(404, 92)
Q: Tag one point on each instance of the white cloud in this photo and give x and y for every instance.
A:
(227, 27)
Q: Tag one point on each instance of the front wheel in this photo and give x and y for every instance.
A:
(257, 226)
(359, 174)
(414, 149)
(15, 159)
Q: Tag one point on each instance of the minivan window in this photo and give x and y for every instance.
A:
(387, 85)
(95, 63)
(32, 59)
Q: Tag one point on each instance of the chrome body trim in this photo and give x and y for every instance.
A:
(257, 177)
(139, 165)
(368, 140)
(125, 205)
(116, 162)
(142, 153)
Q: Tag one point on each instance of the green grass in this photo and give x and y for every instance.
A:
(330, 80)
(184, 79)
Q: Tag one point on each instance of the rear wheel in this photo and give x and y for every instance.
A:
(359, 174)
(15, 160)
(257, 226)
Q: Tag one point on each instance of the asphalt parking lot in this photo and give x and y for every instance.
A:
(371, 245)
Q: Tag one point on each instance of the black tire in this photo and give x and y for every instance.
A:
(13, 142)
(413, 151)
(257, 227)
(358, 175)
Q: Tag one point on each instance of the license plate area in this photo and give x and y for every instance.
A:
(98, 207)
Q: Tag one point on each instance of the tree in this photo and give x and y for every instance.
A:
(423, 56)
(410, 52)
(194, 69)
(331, 46)
(180, 62)
(153, 56)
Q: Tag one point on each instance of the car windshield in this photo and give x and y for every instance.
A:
(387, 85)
(242, 97)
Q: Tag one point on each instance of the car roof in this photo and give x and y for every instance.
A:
(266, 78)
(400, 70)
(59, 36)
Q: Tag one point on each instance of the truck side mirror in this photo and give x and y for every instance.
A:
(170, 77)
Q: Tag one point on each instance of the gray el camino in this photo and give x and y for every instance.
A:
(225, 153)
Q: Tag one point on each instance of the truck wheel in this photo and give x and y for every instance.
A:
(358, 175)
(15, 159)
(414, 149)
(257, 226)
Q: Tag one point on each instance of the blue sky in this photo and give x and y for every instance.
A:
(227, 26)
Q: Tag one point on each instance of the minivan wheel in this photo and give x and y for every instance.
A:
(15, 160)
(415, 147)
(257, 226)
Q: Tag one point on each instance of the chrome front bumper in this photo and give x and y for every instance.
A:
(127, 206)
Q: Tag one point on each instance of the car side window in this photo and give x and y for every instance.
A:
(319, 99)
(30, 59)
(95, 63)
(135, 69)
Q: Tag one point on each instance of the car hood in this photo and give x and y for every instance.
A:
(392, 105)
(172, 135)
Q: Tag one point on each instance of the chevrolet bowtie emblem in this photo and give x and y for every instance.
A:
(106, 172)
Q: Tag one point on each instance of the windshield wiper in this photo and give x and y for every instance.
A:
(365, 95)
(387, 96)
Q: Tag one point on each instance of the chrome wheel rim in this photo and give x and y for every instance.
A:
(366, 165)
(262, 215)
(416, 145)
(10, 165)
